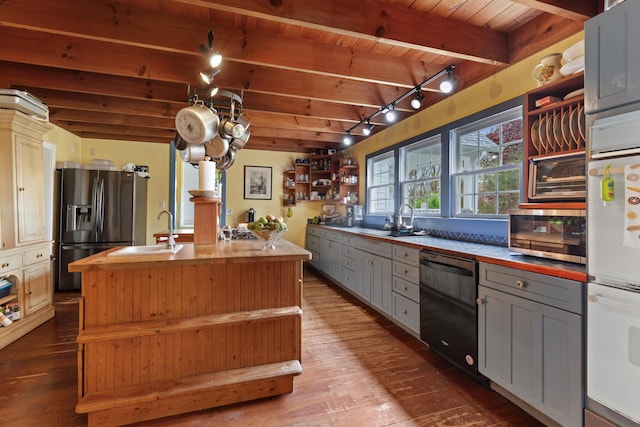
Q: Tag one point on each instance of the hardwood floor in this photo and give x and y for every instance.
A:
(359, 369)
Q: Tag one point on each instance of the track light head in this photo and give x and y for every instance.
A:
(390, 115)
(447, 85)
(213, 90)
(416, 102)
(215, 59)
(347, 140)
(367, 128)
(208, 75)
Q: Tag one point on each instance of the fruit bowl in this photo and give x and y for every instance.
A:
(268, 237)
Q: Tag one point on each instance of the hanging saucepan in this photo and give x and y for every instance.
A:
(193, 153)
(197, 123)
(217, 147)
(227, 160)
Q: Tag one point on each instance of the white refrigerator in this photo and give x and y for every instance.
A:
(613, 265)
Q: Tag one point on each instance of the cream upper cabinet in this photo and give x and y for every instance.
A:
(21, 168)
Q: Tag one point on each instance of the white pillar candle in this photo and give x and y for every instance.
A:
(206, 175)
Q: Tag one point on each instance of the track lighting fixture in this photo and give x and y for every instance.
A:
(390, 115)
(214, 58)
(447, 85)
(416, 102)
(368, 128)
(208, 75)
(389, 110)
(213, 90)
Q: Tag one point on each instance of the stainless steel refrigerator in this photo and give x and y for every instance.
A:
(99, 209)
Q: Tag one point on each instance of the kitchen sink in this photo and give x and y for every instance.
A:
(396, 233)
(145, 250)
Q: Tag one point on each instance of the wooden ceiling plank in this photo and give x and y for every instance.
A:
(382, 22)
(108, 118)
(539, 33)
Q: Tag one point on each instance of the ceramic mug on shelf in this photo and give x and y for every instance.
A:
(548, 70)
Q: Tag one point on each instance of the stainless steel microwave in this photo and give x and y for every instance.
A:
(549, 233)
(558, 178)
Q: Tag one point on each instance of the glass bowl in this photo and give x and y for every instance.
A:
(269, 237)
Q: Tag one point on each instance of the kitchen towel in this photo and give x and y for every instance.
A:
(206, 175)
(631, 233)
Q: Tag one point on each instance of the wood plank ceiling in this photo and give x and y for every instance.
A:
(307, 70)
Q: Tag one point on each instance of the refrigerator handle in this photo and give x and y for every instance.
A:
(101, 206)
(94, 204)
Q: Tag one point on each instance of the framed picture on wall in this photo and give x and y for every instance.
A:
(257, 182)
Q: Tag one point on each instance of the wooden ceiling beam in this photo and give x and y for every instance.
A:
(578, 10)
(107, 118)
(78, 127)
(380, 22)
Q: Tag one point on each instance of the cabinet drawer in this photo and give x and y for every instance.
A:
(35, 255)
(349, 263)
(377, 247)
(348, 251)
(407, 312)
(10, 262)
(407, 289)
(313, 243)
(406, 254)
(312, 231)
(554, 291)
(349, 239)
(348, 277)
(407, 272)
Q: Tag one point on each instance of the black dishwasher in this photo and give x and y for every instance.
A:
(448, 310)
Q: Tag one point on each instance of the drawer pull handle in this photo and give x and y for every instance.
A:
(405, 288)
(5, 264)
(479, 301)
(20, 188)
(405, 254)
(406, 272)
(520, 284)
(39, 256)
(404, 311)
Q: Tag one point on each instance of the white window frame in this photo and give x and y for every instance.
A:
(420, 173)
(461, 172)
(381, 195)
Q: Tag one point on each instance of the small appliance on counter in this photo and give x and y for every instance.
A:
(549, 233)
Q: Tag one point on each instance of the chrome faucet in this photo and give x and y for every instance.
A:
(171, 243)
(401, 225)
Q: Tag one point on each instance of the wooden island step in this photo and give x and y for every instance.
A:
(168, 326)
(166, 398)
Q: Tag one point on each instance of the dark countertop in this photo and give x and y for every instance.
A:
(487, 253)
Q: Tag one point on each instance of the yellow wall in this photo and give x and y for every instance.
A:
(278, 161)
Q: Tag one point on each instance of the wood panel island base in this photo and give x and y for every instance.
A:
(207, 326)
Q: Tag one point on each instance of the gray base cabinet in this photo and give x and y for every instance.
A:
(406, 287)
(530, 339)
(612, 55)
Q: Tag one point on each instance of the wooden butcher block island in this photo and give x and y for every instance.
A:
(208, 326)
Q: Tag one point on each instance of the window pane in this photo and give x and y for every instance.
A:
(420, 176)
(488, 164)
(507, 201)
(509, 180)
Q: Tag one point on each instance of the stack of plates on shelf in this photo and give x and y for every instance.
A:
(573, 58)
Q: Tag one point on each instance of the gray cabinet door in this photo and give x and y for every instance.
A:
(377, 273)
(612, 55)
(534, 351)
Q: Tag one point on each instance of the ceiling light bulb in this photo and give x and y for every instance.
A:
(416, 102)
(214, 91)
(367, 129)
(347, 139)
(206, 77)
(391, 115)
(446, 86)
(215, 60)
